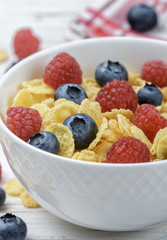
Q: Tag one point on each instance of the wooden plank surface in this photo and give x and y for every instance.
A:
(50, 20)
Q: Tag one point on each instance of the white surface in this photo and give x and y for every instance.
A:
(49, 19)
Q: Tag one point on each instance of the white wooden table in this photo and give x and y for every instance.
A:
(50, 20)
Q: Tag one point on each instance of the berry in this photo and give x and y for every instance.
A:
(149, 120)
(155, 71)
(142, 18)
(2, 196)
(71, 92)
(150, 94)
(128, 150)
(108, 71)
(62, 69)
(12, 227)
(46, 141)
(84, 129)
(25, 43)
(23, 121)
(117, 94)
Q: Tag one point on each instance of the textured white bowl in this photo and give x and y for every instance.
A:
(95, 195)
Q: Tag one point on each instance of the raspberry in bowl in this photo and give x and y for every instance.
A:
(98, 194)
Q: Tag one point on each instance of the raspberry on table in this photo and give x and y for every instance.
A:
(25, 43)
(63, 68)
(155, 71)
(128, 150)
(149, 120)
(23, 121)
(117, 94)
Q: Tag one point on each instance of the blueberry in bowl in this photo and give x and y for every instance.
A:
(150, 94)
(142, 18)
(83, 127)
(46, 141)
(110, 70)
(72, 92)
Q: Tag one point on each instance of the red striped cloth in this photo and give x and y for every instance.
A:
(108, 18)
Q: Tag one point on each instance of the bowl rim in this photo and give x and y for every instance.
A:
(39, 54)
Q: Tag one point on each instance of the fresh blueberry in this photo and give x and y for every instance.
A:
(11, 65)
(83, 127)
(12, 227)
(46, 141)
(71, 92)
(142, 18)
(2, 196)
(150, 94)
(108, 71)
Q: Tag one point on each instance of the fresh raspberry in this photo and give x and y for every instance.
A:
(128, 150)
(149, 120)
(23, 121)
(117, 94)
(62, 69)
(156, 72)
(25, 43)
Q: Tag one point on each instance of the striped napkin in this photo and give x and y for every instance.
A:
(109, 18)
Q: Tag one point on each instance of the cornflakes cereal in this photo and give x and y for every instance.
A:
(49, 102)
(42, 108)
(101, 150)
(65, 138)
(160, 135)
(13, 187)
(3, 55)
(139, 134)
(103, 126)
(164, 93)
(114, 127)
(162, 149)
(85, 155)
(91, 87)
(23, 98)
(28, 201)
(114, 114)
(135, 80)
(92, 109)
(124, 125)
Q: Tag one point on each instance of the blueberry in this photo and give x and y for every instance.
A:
(150, 94)
(84, 129)
(11, 65)
(108, 71)
(71, 92)
(142, 18)
(12, 227)
(46, 141)
(2, 196)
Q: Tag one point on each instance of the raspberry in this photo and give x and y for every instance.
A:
(117, 94)
(149, 120)
(62, 69)
(25, 43)
(128, 150)
(156, 72)
(23, 121)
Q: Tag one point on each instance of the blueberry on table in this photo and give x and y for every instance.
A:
(2, 196)
(46, 141)
(142, 18)
(84, 129)
(71, 92)
(12, 227)
(108, 71)
(150, 94)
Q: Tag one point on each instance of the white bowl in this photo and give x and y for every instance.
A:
(95, 195)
